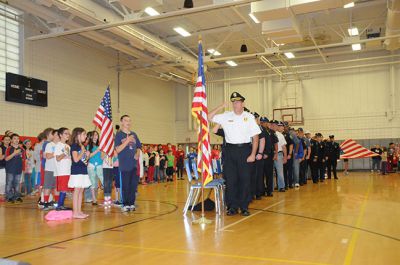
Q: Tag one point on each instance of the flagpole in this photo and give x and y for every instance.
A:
(203, 220)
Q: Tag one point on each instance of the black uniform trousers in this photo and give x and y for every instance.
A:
(331, 164)
(303, 171)
(260, 186)
(269, 174)
(237, 174)
(321, 170)
(315, 171)
(253, 177)
(288, 173)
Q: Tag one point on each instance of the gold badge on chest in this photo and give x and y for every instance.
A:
(245, 119)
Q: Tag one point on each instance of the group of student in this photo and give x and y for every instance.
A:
(387, 160)
(63, 162)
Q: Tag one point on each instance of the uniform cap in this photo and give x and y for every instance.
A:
(331, 136)
(264, 119)
(235, 96)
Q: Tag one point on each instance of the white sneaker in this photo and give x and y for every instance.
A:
(132, 208)
(296, 185)
(125, 209)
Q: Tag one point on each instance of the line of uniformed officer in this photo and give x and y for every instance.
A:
(250, 149)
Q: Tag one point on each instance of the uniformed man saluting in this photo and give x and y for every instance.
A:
(240, 130)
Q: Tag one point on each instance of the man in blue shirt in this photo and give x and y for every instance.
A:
(128, 146)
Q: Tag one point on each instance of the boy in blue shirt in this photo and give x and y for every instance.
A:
(14, 155)
(127, 145)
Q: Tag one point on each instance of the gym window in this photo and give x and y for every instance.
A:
(10, 43)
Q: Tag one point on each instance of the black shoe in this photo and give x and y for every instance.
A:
(336, 178)
(10, 201)
(245, 212)
(270, 195)
(282, 190)
(94, 204)
(232, 212)
(258, 197)
(19, 200)
(321, 180)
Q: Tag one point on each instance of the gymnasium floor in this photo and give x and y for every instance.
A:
(355, 220)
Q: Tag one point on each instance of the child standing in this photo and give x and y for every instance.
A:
(95, 166)
(63, 166)
(156, 165)
(384, 164)
(14, 155)
(170, 165)
(79, 179)
(49, 171)
(29, 165)
(108, 178)
(38, 162)
(163, 165)
(48, 137)
(150, 172)
(3, 148)
(145, 156)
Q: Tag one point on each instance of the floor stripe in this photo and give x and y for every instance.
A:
(212, 254)
(248, 217)
(356, 232)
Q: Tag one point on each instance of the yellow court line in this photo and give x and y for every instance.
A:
(211, 254)
(176, 251)
(356, 231)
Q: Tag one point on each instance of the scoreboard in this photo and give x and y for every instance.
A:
(26, 90)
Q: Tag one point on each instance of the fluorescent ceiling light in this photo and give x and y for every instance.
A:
(289, 55)
(182, 31)
(231, 63)
(214, 52)
(349, 5)
(356, 47)
(151, 11)
(253, 17)
(353, 31)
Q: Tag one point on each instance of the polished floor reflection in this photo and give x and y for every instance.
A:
(351, 221)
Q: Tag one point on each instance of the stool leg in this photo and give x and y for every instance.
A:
(188, 201)
(196, 197)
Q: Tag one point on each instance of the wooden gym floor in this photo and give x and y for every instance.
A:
(355, 220)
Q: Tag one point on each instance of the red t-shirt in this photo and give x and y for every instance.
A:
(215, 154)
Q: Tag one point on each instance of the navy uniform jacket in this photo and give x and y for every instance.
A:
(270, 140)
(332, 150)
(321, 152)
(314, 149)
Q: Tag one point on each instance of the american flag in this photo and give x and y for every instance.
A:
(200, 112)
(103, 121)
(352, 149)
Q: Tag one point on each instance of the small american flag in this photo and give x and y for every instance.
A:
(200, 112)
(103, 121)
(352, 149)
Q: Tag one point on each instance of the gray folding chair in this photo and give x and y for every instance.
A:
(195, 189)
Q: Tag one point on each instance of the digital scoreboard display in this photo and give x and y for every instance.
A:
(26, 90)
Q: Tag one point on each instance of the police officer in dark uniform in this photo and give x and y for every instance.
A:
(270, 152)
(241, 135)
(321, 157)
(259, 164)
(314, 158)
(332, 154)
(288, 167)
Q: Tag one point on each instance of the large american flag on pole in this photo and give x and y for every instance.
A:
(200, 112)
(352, 149)
(103, 121)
